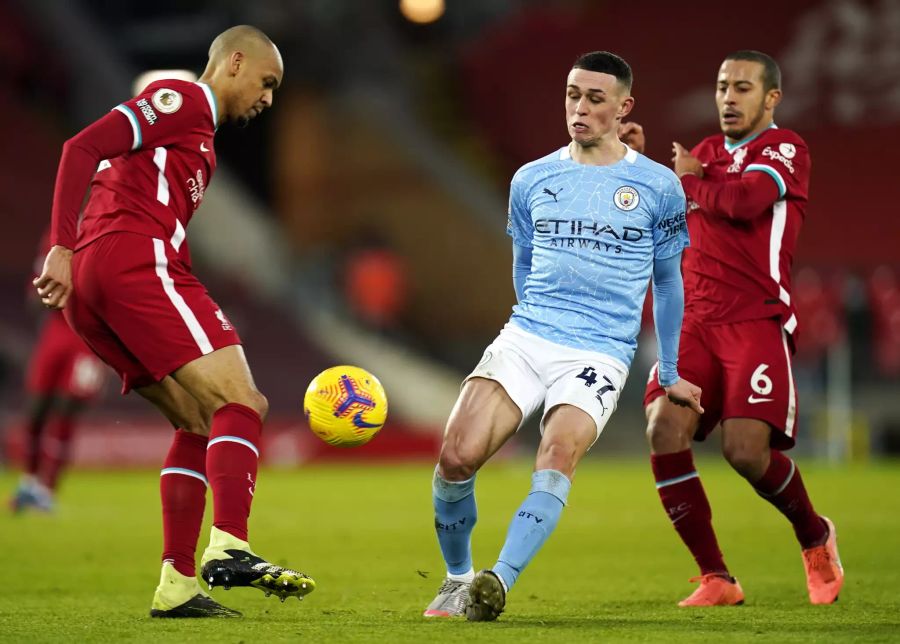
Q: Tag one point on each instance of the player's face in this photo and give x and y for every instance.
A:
(595, 105)
(259, 77)
(745, 107)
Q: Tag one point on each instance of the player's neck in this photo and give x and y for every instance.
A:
(607, 151)
(759, 129)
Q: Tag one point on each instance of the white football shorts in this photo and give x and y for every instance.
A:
(534, 371)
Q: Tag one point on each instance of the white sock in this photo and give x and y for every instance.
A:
(466, 577)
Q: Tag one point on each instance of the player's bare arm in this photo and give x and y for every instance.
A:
(55, 281)
(685, 394)
(632, 135)
(683, 162)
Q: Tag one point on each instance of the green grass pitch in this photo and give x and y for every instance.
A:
(613, 571)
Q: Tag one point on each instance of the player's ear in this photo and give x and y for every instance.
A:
(235, 62)
(773, 98)
(626, 106)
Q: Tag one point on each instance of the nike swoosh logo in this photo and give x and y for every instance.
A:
(360, 423)
(203, 147)
(753, 400)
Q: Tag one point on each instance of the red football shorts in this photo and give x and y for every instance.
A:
(62, 365)
(138, 306)
(744, 370)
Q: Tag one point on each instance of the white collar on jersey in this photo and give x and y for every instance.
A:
(630, 154)
(211, 99)
(731, 147)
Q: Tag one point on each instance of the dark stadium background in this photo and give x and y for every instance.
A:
(401, 138)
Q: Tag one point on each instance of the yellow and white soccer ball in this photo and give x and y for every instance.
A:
(345, 406)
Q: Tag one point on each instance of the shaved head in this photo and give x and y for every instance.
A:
(240, 38)
(244, 70)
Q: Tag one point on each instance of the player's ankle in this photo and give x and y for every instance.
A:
(221, 538)
(821, 541)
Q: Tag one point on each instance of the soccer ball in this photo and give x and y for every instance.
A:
(345, 406)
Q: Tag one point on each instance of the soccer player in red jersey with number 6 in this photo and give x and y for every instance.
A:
(124, 278)
(747, 192)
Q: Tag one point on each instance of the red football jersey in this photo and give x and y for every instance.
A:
(155, 188)
(740, 269)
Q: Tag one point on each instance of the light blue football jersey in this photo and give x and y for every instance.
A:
(594, 232)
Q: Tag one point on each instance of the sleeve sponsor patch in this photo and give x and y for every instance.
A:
(784, 154)
(671, 226)
(167, 101)
(146, 110)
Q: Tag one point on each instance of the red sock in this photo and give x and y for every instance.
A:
(783, 487)
(33, 432)
(231, 461)
(55, 449)
(685, 502)
(182, 488)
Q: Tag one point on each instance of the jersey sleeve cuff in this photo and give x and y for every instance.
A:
(668, 379)
(132, 120)
(772, 172)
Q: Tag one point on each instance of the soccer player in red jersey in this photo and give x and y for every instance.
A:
(63, 376)
(126, 284)
(747, 192)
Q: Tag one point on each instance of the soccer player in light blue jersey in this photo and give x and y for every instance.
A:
(590, 223)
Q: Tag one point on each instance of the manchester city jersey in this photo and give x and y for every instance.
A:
(594, 232)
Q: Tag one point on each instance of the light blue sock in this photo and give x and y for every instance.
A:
(455, 515)
(532, 523)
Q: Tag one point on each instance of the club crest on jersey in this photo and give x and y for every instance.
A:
(737, 160)
(626, 198)
(226, 325)
(167, 101)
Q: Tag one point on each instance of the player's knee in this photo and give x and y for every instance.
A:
(249, 398)
(666, 430)
(196, 424)
(746, 460)
(259, 403)
(560, 454)
(465, 448)
(459, 462)
(191, 418)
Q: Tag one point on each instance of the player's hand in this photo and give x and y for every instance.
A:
(632, 135)
(685, 394)
(54, 284)
(684, 163)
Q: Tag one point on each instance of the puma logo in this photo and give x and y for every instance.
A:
(548, 191)
(605, 388)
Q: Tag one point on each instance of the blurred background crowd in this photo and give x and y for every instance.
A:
(362, 219)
